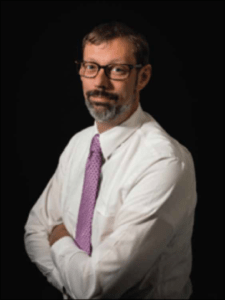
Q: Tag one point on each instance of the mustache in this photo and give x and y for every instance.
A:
(104, 94)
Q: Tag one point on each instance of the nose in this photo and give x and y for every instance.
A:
(101, 79)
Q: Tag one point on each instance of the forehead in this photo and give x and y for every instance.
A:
(118, 50)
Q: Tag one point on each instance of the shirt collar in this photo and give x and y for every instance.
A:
(114, 137)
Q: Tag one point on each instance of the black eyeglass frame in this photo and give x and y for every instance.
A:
(138, 66)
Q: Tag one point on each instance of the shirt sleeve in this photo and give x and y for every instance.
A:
(44, 215)
(145, 224)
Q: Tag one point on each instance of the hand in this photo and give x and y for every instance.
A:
(58, 232)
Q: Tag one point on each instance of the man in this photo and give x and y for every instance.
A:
(116, 219)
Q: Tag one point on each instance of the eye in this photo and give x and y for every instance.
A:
(119, 69)
(90, 66)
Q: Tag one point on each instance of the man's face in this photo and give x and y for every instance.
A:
(107, 99)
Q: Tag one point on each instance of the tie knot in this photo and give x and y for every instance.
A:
(95, 144)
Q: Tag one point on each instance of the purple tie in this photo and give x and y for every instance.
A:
(89, 196)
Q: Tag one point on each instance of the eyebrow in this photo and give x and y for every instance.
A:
(112, 61)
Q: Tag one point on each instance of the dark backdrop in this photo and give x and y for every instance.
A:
(42, 107)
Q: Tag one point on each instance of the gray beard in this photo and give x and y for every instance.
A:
(110, 111)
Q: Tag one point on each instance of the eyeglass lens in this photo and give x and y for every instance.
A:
(114, 71)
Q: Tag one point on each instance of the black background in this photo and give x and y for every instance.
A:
(42, 107)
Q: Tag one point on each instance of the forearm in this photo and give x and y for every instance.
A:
(38, 249)
(108, 272)
(43, 217)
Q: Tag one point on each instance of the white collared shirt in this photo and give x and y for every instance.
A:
(143, 220)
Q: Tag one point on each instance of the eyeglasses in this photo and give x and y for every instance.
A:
(112, 71)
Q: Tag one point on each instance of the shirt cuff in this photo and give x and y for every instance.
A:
(61, 249)
(63, 246)
(55, 279)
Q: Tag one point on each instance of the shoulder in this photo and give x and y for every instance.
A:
(164, 168)
(160, 152)
(158, 143)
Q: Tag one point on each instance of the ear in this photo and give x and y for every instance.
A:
(144, 77)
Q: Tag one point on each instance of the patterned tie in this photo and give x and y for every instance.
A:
(89, 196)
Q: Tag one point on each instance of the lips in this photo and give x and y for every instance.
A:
(100, 99)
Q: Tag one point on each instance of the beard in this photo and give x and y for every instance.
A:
(105, 112)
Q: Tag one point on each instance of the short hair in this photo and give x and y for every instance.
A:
(110, 31)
